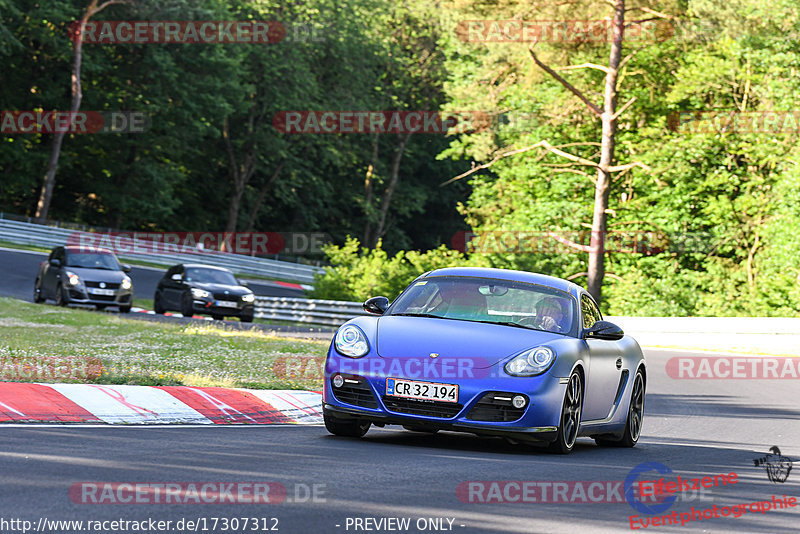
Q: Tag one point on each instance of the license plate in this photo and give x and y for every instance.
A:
(412, 389)
(95, 291)
(226, 304)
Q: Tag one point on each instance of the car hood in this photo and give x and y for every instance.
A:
(418, 337)
(221, 288)
(97, 275)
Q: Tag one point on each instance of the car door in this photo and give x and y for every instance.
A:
(172, 289)
(50, 275)
(605, 366)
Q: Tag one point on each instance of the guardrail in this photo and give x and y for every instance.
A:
(49, 236)
(322, 312)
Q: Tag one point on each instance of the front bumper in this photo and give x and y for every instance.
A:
(81, 294)
(477, 409)
(208, 306)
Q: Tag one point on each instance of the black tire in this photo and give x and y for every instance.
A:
(61, 298)
(157, 306)
(633, 424)
(186, 305)
(569, 422)
(246, 318)
(100, 307)
(349, 428)
(125, 309)
(217, 317)
(37, 291)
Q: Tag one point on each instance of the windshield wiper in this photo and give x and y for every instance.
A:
(508, 323)
(420, 315)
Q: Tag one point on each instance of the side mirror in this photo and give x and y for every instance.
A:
(55, 263)
(243, 283)
(177, 277)
(376, 305)
(125, 268)
(604, 330)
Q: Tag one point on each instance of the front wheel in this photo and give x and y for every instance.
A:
(186, 305)
(157, 306)
(570, 416)
(37, 292)
(125, 309)
(61, 298)
(349, 428)
(633, 425)
(246, 318)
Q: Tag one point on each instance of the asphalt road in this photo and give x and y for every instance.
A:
(695, 427)
(19, 268)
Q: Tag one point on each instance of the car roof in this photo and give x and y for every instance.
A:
(202, 266)
(508, 274)
(91, 250)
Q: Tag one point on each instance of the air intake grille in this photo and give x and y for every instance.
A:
(355, 391)
(444, 410)
(494, 407)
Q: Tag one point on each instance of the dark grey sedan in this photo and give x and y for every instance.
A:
(203, 289)
(73, 275)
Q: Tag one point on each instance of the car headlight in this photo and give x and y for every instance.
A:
(351, 341)
(73, 278)
(126, 283)
(200, 293)
(248, 298)
(531, 362)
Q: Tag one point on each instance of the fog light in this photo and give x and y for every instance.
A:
(518, 401)
(338, 380)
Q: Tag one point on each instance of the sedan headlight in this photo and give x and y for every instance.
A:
(126, 283)
(351, 341)
(248, 298)
(531, 362)
(73, 278)
(200, 293)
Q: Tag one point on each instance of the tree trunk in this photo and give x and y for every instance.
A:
(46, 194)
(240, 174)
(261, 194)
(368, 193)
(394, 177)
(597, 253)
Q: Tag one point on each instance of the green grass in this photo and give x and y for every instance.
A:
(44, 343)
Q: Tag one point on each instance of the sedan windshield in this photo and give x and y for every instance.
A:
(89, 260)
(488, 300)
(210, 276)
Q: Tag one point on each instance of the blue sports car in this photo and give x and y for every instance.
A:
(495, 352)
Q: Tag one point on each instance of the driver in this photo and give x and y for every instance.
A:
(550, 315)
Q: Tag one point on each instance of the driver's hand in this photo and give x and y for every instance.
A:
(548, 323)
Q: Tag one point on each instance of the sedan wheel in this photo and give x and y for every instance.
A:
(570, 416)
(633, 425)
(354, 428)
(157, 306)
(186, 305)
(37, 292)
(61, 299)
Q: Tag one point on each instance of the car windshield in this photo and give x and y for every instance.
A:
(488, 300)
(210, 276)
(92, 260)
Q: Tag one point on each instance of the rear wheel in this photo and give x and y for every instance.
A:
(217, 317)
(350, 428)
(570, 416)
(633, 425)
(37, 291)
